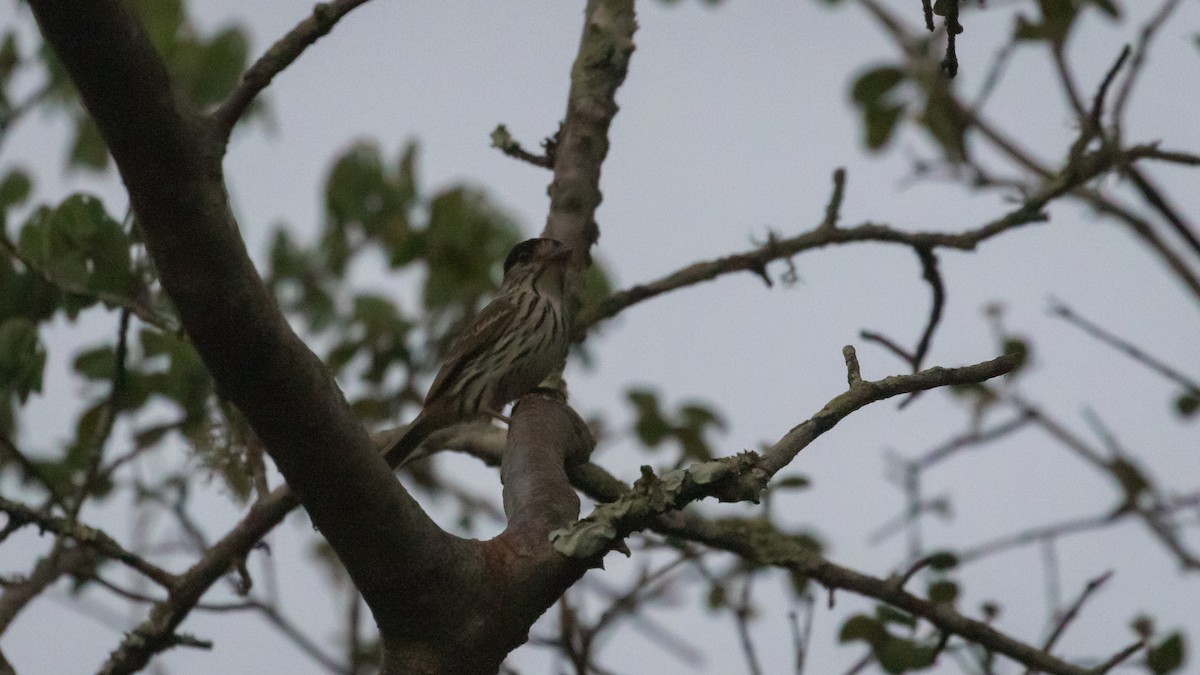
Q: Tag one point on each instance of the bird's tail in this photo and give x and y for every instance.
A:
(402, 447)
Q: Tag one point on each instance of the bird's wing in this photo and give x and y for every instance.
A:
(485, 329)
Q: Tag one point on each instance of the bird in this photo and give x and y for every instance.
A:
(515, 342)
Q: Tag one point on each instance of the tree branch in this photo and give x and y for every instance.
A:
(599, 70)
(169, 159)
(281, 55)
(757, 541)
(88, 537)
(49, 569)
(824, 234)
(744, 476)
(760, 543)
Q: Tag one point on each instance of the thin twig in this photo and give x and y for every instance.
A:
(281, 55)
(1159, 202)
(1061, 310)
(86, 536)
(502, 139)
(112, 408)
(1073, 611)
(1147, 34)
(742, 613)
(1119, 658)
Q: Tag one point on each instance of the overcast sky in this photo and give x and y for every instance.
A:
(732, 120)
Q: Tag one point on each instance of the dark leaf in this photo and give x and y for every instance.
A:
(943, 592)
(1187, 403)
(873, 85)
(1166, 656)
(14, 189)
(880, 123)
(864, 628)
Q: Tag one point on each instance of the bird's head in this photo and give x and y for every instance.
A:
(533, 254)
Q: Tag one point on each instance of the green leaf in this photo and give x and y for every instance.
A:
(14, 189)
(97, 364)
(943, 592)
(1058, 16)
(22, 357)
(209, 71)
(363, 197)
(864, 628)
(900, 655)
(1018, 349)
(10, 57)
(716, 596)
(1187, 403)
(78, 244)
(88, 150)
(465, 241)
(163, 20)
(889, 614)
(799, 583)
(944, 121)
(943, 560)
(873, 85)
(650, 427)
(1166, 656)
(152, 435)
(880, 124)
(185, 380)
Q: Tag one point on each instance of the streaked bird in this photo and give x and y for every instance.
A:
(514, 343)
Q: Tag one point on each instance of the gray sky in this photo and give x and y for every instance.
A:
(731, 122)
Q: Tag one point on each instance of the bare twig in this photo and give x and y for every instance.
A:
(953, 28)
(112, 408)
(969, 439)
(1159, 202)
(50, 568)
(930, 273)
(1149, 30)
(1119, 658)
(88, 537)
(502, 139)
(801, 636)
(1073, 611)
(834, 208)
(281, 55)
(1061, 310)
(742, 613)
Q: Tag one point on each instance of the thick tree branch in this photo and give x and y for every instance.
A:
(154, 634)
(599, 70)
(169, 158)
(521, 574)
(744, 476)
(281, 55)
